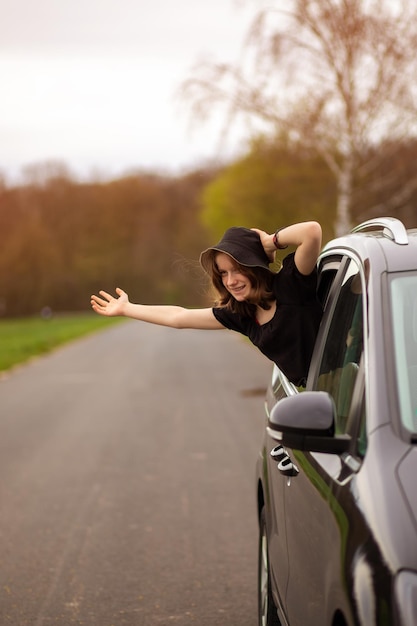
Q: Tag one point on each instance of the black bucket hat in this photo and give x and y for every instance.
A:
(242, 244)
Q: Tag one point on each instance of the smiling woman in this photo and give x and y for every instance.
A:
(279, 312)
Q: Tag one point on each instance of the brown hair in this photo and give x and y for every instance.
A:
(260, 279)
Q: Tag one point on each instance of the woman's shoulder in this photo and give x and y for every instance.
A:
(289, 268)
(289, 280)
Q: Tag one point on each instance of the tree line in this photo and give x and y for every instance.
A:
(63, 240)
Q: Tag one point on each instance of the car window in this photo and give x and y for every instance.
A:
(403, 292)
(328, 269)
(343, 346)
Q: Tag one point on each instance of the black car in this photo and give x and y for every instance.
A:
(337, 472)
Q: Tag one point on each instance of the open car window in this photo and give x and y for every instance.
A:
(343, 346)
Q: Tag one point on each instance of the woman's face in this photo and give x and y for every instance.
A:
(233, 278)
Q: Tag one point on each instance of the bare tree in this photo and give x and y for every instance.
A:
(336, 75)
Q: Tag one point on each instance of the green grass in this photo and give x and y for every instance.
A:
(24, 338)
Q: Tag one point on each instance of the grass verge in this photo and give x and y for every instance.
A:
(24, 338)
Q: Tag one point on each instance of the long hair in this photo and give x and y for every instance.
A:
(261, 281)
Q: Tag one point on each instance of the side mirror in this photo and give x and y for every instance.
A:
(306, 421)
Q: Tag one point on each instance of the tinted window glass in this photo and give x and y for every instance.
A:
(403, 291)
(327, 273)
(344, 345)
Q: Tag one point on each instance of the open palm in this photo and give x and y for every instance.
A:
(106, 304)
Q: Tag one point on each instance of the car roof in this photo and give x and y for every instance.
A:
(384, 241)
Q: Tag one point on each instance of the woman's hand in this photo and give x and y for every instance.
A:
(267, 242)
(108, 305)
(306, 236)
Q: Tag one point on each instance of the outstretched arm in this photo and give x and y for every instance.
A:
(173, 316)
(305, 235)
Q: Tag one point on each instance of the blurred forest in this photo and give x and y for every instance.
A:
(63, 240)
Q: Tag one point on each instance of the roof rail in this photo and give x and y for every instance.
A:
(391, 227)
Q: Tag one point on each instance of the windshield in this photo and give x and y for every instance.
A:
(404, 313)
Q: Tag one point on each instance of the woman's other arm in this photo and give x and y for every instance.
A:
(306, 236)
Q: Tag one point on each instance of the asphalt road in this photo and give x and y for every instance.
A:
(127, 492)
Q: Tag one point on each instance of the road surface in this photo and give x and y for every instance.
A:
(127, 492)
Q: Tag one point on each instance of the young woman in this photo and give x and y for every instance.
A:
(278, 311)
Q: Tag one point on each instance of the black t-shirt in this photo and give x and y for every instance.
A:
(288, 338)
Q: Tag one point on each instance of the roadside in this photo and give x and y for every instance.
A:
(22, 339)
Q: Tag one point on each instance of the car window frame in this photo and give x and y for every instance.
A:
(359, 395)
(328, 310)
(336, 261)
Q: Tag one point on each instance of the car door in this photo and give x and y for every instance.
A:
(316, 524)
(275, 485)
(279, 467)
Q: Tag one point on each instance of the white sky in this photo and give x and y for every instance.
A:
(91, 83)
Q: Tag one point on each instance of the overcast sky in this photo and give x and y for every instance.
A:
(92, 82)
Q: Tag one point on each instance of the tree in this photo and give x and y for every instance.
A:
(397, 171)
(337, 75)
(272, 182)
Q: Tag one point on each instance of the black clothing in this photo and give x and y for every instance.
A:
(288, 338)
